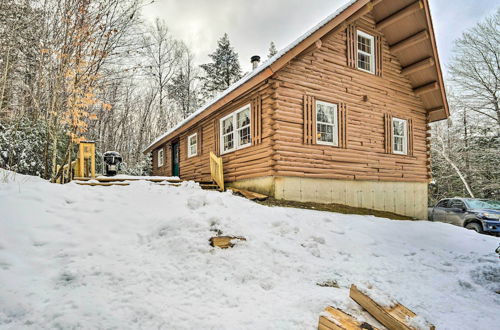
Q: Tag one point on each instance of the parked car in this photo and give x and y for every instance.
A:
(481, 215)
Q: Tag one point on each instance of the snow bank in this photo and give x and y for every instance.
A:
(13, 177)
(139, 257)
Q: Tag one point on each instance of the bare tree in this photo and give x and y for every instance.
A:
(475, 68)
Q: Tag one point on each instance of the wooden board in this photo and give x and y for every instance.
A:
(103, 184)
(112, 179)
(224, 242)
(249, 194)
(338, 320)
(394, 318)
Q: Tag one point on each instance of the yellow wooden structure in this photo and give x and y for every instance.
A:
(217, 170)
(83, 166)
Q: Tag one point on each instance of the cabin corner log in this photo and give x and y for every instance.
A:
(396, 317)
(336, 319)
(225, 242)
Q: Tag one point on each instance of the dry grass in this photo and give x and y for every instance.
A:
(337, 208)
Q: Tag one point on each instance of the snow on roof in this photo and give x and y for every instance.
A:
(252, 74)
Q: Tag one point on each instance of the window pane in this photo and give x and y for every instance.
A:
(325, 133)
(192, 140)
(399, 128)
(364, 44)
(228, 142)
(227, 125)
(398, 143)
(325, 113)
(244, 136)
(243, 118)
(364, 61)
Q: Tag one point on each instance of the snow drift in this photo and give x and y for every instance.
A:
(138, 257)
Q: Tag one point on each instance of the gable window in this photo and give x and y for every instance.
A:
(192, 145)
(327, 128)
(235, 130)
(161, 158)
(400, 136)
(366, 52)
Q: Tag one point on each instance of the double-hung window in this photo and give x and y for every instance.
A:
(327, 128)
(366, 52)
(400, 136)
(192, 145)
(235, 130)
(161, 157)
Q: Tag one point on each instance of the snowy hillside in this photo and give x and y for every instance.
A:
(138, 257)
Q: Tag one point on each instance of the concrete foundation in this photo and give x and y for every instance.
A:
(405, 198)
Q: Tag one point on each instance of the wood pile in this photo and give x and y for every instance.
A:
(394, 317)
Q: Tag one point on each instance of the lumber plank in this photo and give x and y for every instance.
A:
(103, 184)
(250, 194)
(396, 317)
(336, 319)
(225, 242)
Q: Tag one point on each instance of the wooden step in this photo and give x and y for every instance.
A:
(396, 316)
(113, 179)
(102, 184)
(209, 186)
(335, 319)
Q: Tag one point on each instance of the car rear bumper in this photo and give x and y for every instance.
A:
(491, 226)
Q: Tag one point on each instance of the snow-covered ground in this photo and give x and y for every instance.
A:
(138, 257)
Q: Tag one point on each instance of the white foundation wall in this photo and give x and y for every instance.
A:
(405, 198)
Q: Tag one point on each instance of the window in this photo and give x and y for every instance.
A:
(327, 128)
(400, 136)
(235, 130)
(457, 204)
(161, 158)
(366, 52)
(443, 203)
(192, 145)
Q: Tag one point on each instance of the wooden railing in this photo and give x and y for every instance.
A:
(67, 172)
(217, 170)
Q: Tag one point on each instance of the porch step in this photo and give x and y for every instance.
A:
(209, 186)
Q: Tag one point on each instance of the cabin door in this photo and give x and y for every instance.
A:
(176, 171)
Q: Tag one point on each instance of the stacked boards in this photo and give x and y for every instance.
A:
(394, 317)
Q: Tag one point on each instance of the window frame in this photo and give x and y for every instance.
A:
(189, 154)
(335, 125)
(236, 130)
(371, 55)
(161, 159)
(405, 137)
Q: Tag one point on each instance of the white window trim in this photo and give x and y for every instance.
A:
(236, 145)
(372, 54)
(335, 124)
(161, 158)
(195, 135)
(405, 137)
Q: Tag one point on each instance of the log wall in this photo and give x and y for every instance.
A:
(253, 161)
(283, 144)
(325, 74)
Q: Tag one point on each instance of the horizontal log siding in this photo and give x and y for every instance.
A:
(323, 75)
(166, 169)
(251, 162)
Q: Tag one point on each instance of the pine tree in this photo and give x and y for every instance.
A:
(224, 70)
(272, 50)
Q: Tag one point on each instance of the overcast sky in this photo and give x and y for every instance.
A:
(253, 24)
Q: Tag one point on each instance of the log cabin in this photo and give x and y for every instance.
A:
(339, 116)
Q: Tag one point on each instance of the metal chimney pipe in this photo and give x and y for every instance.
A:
(255, 61)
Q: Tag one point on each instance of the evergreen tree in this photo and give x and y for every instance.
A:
(223, 71)
(272, 50)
